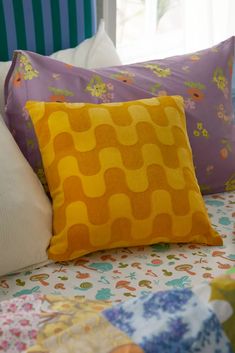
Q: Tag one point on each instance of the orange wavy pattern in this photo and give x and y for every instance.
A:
(120, 174)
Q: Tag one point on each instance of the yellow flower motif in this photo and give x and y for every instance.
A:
(199, 126)
(30, 74)
(196, 133)
(97, 90)
(205, 133)
(220, 79)
(221, 82)
(163, 72)
(159, 71)
(23, 59)
(230, 184)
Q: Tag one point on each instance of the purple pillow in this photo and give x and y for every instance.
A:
(202, 78)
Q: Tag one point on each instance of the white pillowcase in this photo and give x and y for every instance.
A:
(92, 53)
(25, 211)
(4, 67)
(97, 51)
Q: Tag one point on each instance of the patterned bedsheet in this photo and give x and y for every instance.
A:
(119, 274)
(157, 322)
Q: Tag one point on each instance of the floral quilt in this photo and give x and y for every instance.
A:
(176, 320)
(120, 274)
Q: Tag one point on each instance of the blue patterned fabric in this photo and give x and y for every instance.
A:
(175, 321)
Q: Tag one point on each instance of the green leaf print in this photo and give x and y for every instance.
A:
(195, 85)
(60, 92)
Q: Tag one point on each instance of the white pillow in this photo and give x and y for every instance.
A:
(25, 211)
(4, 67)
(97, 51)
(92, 53)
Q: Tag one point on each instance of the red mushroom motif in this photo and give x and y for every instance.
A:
(41, 277)
(186, 268)
(207, 275)
(125, 285)
(220, 254)
(3, 284)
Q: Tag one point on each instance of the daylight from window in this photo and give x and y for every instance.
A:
(148, 29)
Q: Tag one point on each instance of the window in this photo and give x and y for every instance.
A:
(147, 29)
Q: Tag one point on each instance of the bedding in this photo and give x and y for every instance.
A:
(117, 294)
(95, 52)
(156, 322)
(119, 174)
(4, 68)
(202, 78)
(46, 27)
(124, 273)
(25, 211)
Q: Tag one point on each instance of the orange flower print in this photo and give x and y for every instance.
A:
(224, 153)
(124, 76)
(69, 66)
(125, 79)
(226, 149)
(59, 94)
(195, 90)
(196, 94)
(17, 80)
(57, 98)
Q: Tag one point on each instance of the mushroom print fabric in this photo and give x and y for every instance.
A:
(120, 274)
(155, 322)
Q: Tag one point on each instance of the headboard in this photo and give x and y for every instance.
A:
(44, 26)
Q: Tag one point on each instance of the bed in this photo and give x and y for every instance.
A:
(67, 303)
(130, 272)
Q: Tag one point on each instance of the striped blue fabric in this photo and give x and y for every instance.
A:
(44, 26)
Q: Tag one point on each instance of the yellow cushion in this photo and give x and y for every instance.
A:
(119, 174)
